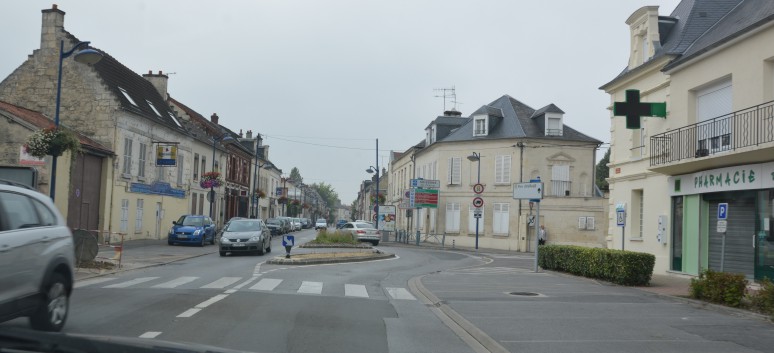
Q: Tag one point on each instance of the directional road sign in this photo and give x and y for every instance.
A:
(424, 198)
(288, 240)
(528, 191)
(425, 184)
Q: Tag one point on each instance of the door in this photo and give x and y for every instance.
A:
(739, 251)
(83, 202)
(714, 126)
(764, 241)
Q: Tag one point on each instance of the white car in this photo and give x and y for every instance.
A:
(363, 231)
(37, 258)
(321, 223)
(296, 223)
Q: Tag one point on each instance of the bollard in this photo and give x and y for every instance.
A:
(453, 240)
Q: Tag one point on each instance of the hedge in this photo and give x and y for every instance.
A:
(622, 267)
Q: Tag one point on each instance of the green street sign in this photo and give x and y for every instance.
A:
(633, 109)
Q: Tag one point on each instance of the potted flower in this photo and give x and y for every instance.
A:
(296, 202)
(382, 198)
(210, 180)
(52, 141)
(260, 193)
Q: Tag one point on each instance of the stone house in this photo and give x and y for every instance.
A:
(697, 186)
(122, 111)
(514, 143)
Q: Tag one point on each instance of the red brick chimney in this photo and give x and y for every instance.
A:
(214, 118)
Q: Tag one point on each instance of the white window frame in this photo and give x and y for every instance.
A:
(715, 136)
(560, 179)
(196, 167)
(455, 174)
(127, 96)
(483, 131)
(124, 224)
(127, 167)
(452, 217)
(174, 118)
(503, 169)
(138, 215)
(141, 160)
(501, 218)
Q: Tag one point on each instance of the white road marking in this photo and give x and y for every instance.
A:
(239, 286)
(310, 287)
(355, 290)
(230, 291)
(176, 282)
(189, 312)
(267, 284)
(257, 269)
(222, 282)
(211, 301)
(131, 283)
(150, 334)
(400, 294)
(91, 281)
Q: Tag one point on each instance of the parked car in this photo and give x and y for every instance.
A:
(306, 223)
(321, 223)
(275, 226)
(363, 231)
(192, 229)
(296, 223)
(37, 258)
(245, 235)
(340, 223)
(287, 224)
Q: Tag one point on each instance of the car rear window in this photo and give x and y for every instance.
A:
(243, 226)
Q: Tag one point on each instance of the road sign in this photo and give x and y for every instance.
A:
(620, 218)
(531, 220)
(288, 240)
(387, 218)
(210, 195)
(477, 212)
(478, 202)
(723, 211)
(425, 184)
(528, 191)
(478, 188)
(722, 226)
(424, 198)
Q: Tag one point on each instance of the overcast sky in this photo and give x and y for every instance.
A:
(321, 80)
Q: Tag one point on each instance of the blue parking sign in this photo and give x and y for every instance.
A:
(723, 210)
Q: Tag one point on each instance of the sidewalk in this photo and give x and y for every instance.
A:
(143, 253)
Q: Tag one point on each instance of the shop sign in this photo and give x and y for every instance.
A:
(743, 177)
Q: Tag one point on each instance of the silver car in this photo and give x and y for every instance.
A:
(245, 235)
(363, 231)
(36, 259)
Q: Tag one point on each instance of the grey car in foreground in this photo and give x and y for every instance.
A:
(245, 236)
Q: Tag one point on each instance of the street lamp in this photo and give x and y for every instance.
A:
(86, 56)
(211, 194)
(476, 157)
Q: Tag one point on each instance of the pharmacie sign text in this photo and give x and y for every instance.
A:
(743, 177)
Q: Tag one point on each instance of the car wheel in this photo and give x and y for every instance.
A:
(52, 311)
(170, 243)
(222, 253)
(375, 242)
(202, 243)
(260, 250)
(212, 241)
(268, 250)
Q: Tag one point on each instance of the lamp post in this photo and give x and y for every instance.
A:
(86, 56)
(476, 157)
(211, 194)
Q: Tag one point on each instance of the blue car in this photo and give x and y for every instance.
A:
(191, 229)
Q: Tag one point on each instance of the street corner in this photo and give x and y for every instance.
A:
(329, 258)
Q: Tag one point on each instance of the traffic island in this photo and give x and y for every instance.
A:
(312, 245)
(330, 258)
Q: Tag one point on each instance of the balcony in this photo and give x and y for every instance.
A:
(742, 137)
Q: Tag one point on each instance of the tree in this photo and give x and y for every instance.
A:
(295, 175)
(329, 196)
(353, 211)
(603, 172)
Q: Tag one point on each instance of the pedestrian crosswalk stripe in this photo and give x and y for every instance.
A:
(310, 288)
(400, 294)
(266, 284)
(91, 281)
(131, 283)
(355, 290)
(176, 282)
(222, 283)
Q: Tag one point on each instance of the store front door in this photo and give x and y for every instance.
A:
(763, 239)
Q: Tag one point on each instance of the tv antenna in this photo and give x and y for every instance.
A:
(449, 94)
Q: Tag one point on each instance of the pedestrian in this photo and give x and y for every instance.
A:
(542, 235)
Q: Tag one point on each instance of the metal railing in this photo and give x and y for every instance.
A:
(743, 128)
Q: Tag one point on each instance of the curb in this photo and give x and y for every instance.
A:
(333, 246)
(291, 261)
(142, 267)
(712, 306)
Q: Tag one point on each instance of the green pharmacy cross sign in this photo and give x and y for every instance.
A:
(633, 109)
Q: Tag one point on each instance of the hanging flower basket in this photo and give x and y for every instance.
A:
(305, 206)
(296, 202)
(382, 198)
(52, 141)
(282, 200)
(260, 193)
(210, 180)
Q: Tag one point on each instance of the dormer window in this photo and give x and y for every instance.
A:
(554, 125)
(430, 135)
(480, 124)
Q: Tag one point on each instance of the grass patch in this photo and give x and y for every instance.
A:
(337, 237)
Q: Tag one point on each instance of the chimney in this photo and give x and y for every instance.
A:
(52, 28)
(240, 133)
(249, 134)
(452, 112)
(214, 118)
(159, 82)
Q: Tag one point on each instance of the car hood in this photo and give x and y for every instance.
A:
(240, 235)
(273, 225)
(186, 229)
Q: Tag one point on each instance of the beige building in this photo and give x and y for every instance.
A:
(512, 143)
(704, 173)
